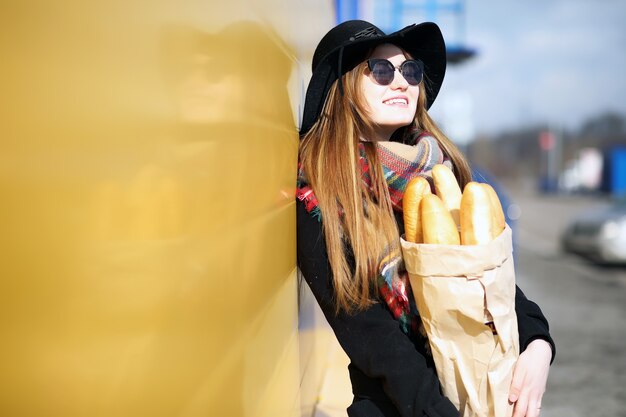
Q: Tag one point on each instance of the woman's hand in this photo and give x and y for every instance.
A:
(529, 379)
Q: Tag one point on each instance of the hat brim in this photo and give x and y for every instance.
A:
(423, 41)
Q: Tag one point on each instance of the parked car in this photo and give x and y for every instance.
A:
(599, 235)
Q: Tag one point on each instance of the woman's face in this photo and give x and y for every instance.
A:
(389, 106)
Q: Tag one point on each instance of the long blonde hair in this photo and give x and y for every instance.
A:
(353, 217)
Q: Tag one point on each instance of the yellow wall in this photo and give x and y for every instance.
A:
(147, 166)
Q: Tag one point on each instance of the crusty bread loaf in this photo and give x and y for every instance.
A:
(415, 190)
(437, 223)
(447, 188)
(476, 215)
(499, 222)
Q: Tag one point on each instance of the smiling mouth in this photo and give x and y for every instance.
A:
(397, 102)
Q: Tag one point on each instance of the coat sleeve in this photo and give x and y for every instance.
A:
(531, 322)
(371, 338)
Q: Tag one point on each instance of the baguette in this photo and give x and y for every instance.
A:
(476, 215)
(447, 188)
(415, 190)
(437, 223)
(499, 222)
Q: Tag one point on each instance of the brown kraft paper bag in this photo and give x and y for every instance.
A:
(458, 289)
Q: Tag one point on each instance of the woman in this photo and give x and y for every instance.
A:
(365, 133)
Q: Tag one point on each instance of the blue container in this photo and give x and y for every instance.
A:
(614, 172)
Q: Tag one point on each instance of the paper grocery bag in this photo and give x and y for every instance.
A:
(466, 298)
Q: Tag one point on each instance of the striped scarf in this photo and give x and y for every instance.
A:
(400, 164)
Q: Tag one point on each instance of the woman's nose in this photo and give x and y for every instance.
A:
(399, 82)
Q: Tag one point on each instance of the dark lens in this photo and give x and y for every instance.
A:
(382, 71)
(411, 71)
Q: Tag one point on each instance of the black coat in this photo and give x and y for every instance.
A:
(391, 374)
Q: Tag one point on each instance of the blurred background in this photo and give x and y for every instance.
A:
(147, 165)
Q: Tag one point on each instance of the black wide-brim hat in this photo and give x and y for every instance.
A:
(346, 45)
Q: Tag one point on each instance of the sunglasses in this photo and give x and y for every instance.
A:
(383, 70)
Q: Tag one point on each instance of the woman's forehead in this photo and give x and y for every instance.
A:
(386, 51)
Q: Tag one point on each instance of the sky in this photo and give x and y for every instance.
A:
(551, 61)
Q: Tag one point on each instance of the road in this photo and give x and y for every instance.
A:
(585, 304)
